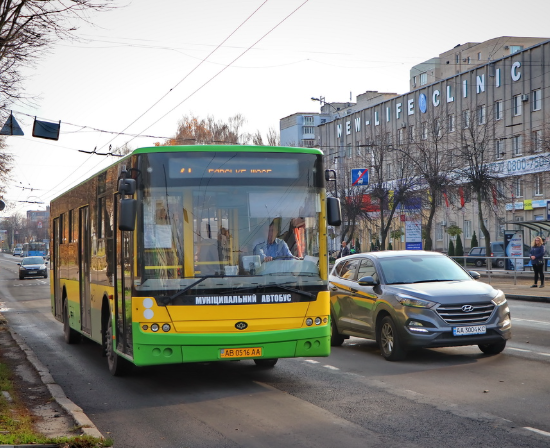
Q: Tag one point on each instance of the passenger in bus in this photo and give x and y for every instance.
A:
(273, 247)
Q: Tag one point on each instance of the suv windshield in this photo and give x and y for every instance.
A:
(418, 269)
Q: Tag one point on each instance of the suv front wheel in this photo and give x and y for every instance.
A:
(388, 340)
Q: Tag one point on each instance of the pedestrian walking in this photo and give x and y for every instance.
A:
(537, 261)
(344, 252)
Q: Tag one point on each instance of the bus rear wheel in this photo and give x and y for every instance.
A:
(118, 366)
(266, 362)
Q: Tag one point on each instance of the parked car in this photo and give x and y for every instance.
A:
(477, 255)
(415, 299)
(33, 267)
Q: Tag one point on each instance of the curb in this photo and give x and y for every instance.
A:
(80, 418)
(528, 298)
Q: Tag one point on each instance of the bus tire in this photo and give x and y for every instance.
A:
(71, 336)
(266, 362)
(118, 366)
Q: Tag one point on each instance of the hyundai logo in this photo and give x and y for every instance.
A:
(241, 325)
(467, 308)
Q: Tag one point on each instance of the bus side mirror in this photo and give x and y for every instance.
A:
(334, 214)
(127, 216)
(127, 186)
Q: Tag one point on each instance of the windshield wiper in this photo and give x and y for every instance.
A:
(434, 281)
(166, 300)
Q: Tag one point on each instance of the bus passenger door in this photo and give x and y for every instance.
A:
(58, 305)
(84, 269)
(123, 291)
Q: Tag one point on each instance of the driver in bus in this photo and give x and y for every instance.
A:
(274, 247)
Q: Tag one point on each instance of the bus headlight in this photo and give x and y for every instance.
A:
(155, 327)
(317, 321)
(166, 328)
(309, 321)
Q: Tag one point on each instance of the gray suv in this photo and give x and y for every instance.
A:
(415, 299)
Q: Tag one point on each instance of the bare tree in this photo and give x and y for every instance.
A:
(6, 163)
(27, 30)
(257, 139)
(193, 130)
(474, 151)
(431, 157)
(273, 137)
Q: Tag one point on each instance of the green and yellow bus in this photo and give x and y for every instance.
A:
(169, 256)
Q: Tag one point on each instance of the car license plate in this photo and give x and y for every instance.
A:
(249, 352)
(466, 331)
(31, 272)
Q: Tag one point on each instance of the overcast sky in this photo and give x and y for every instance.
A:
(278, 54)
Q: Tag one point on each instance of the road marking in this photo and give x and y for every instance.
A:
(518, 349)
(544, 354)
(529, 320)
(312, 361)
(538, 431)
(331, 367)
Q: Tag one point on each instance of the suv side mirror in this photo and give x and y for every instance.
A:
(367, 281)
(475, 275)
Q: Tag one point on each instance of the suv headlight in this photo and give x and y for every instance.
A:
(499, 299)
(406, 300)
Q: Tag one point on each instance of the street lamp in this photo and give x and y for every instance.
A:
(321, 100)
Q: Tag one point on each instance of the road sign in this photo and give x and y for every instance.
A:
(359, 176)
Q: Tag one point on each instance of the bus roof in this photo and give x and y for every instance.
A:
(227, 148)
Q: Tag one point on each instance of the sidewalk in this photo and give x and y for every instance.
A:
(518, 288)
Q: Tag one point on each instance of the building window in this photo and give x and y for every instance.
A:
(414, 81)
(308, 129)
(538, 185)
(537, 99)
(424, 129)
(467, 229)
(479, 56)
(536, 137)
(500, 148)
(516, 105)
(451, 122)
(308, 120)
(466, 119)
(389, 171)
(400, 136)
(469, 59)
(457, 58)
(498, 110)
(411, 133)
(517, 145)
(518, 188)
(515, 48)
(389, 138)
(439, 232)
(423, 79)
(481, 114)
(349, 151)
(308, 143)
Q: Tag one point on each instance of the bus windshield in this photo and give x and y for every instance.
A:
(253, 220)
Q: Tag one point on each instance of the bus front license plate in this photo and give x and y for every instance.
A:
(249, 352)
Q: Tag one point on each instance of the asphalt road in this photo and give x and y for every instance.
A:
(455, 397)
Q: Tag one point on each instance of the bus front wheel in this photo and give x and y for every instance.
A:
(118, 366)
(71, 336)
(266, 362)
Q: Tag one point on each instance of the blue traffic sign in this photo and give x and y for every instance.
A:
(359, 176)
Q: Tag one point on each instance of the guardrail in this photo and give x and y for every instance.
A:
(521, 264)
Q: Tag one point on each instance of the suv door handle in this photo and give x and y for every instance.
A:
(333, 288)
(353, 290)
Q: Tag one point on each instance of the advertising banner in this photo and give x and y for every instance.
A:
(413, 235)
(513, 247)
